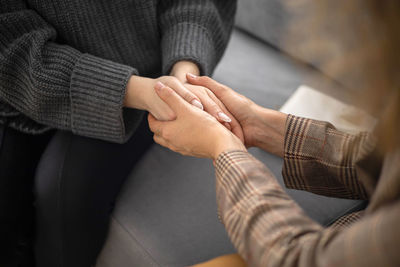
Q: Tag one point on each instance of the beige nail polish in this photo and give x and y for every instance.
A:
(197, 103)
(192, 75)
(224, 117)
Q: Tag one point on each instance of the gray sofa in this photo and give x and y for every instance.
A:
(166, 212)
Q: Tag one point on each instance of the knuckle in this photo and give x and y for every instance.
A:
(188, 96)
(204, 78)
(214, 107)
(204, 89)
(166, 135)
(171, 116)
(222, 88)
(172, 80)
(209, 92)
(196, 89)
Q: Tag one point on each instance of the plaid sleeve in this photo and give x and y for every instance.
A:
(268, 228)
(258, 215)
(320, 159)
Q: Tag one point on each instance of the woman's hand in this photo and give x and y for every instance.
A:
(211, 103)
(140, 94)
(264, 128)
(193, 132)
(217, 109)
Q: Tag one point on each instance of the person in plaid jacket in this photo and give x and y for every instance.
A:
(356, 42)
(266, 226)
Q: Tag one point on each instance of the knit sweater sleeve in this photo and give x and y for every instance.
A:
(57, 85)
(195, 30)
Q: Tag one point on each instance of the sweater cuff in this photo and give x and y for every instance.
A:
(188, 41)
(97, 93)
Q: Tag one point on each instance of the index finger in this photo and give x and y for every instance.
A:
(217, 88)
(183, 92)
(235, 126)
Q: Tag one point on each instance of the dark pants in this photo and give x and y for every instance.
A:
(19, 156)
(77, 182)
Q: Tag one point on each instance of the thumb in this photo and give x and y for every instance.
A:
(171, 98)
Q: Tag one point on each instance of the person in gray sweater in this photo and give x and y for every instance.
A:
(76, 78)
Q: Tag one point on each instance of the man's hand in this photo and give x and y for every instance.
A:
(193, 132)
(264, 128)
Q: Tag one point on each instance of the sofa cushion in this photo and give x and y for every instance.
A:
(264, 19)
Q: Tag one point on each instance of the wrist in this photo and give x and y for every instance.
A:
(269, 132)
(225, 143)
(180, 69)
(137, 91)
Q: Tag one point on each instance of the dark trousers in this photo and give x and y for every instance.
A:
(76, 185)
(19, 156)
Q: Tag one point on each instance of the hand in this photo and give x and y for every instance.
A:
(140, 94)
(211, 103)
(217, 109)
(264, 128)
(193, 132)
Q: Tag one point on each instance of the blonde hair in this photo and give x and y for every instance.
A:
(356, 42)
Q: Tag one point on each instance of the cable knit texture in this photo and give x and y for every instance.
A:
(65, 64)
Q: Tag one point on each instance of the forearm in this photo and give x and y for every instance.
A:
(269, 229)
(57, 85)
(345, 164)
(259, 216)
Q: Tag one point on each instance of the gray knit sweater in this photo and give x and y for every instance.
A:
(65, 64)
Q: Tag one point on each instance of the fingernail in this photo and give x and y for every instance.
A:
(197, 103)
(224, 117)
(159, 86)
(192, 75)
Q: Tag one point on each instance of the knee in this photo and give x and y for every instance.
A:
(50, 169)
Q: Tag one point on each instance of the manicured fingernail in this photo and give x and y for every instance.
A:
(224, 117)
(192, 75)
(197, 103)
(159, 86)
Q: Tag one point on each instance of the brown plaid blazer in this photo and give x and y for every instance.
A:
(269, 229)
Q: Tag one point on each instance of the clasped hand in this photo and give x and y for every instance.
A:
(196, 133)
(200, 117)
(140, 94)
